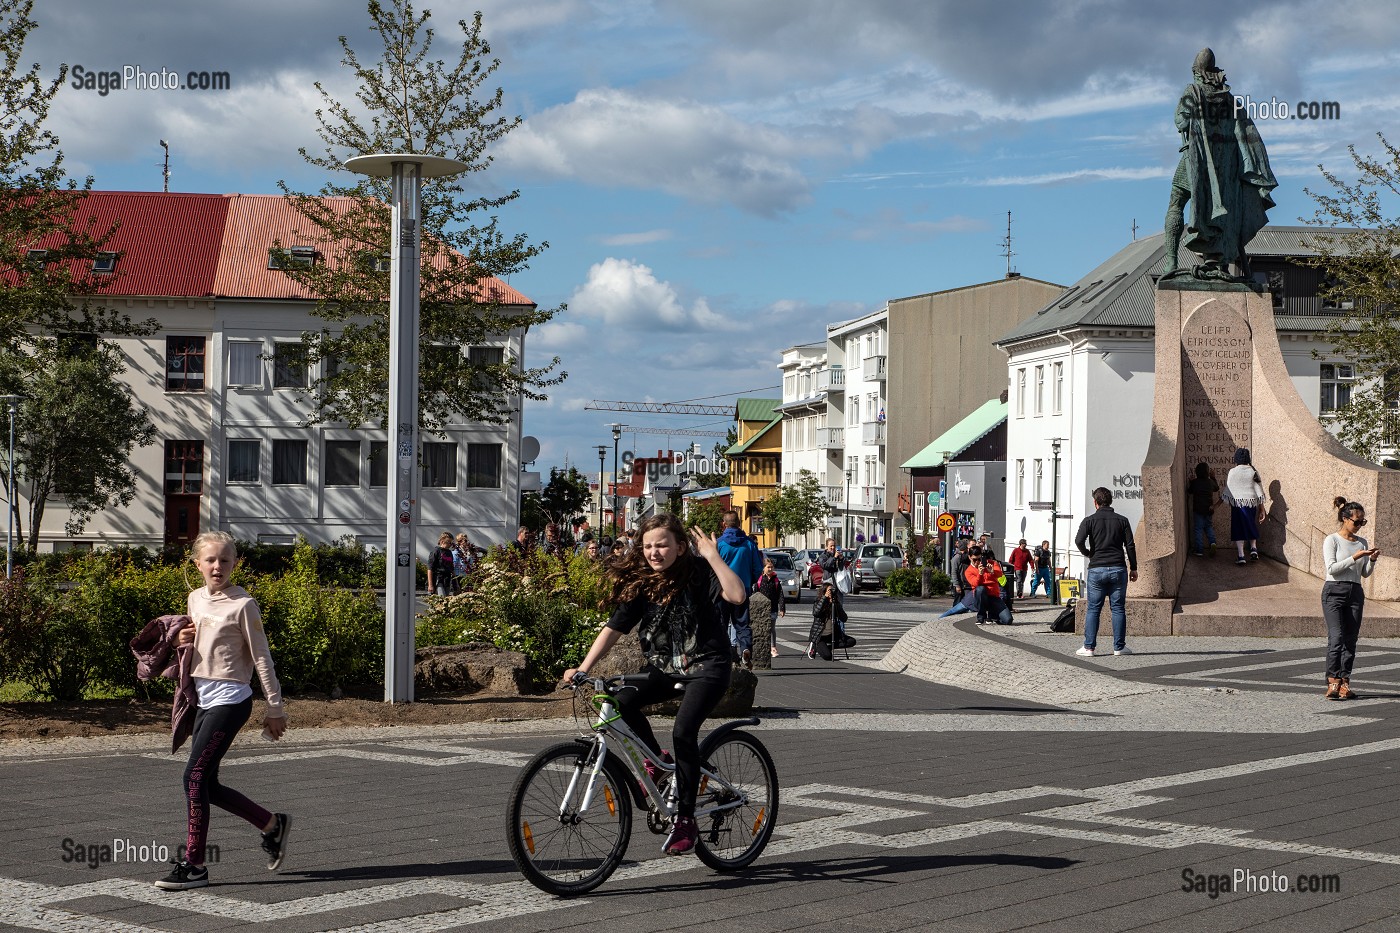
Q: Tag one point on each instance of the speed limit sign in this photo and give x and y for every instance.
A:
(946, 522)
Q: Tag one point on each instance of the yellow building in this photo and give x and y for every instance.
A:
(754, 462)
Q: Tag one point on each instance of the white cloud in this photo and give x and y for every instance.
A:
(636, 239)
(558, 335)
(616, 138)
(625, 294)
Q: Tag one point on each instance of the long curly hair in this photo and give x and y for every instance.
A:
(629, 575)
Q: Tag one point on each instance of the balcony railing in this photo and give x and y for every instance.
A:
(831, 438)
(872, 433)
(832, 379)
(835, 495)
(874, 368)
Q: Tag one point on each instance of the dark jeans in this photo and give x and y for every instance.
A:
(1021, 581)
(704, 688)
(1202, 527)
(1111, 582)
(1341, 607)
(740, 625)
(214, 731)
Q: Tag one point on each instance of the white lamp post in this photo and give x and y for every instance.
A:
(13, 401)
(407, 171)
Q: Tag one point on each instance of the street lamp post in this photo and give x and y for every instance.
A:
(13, 401)
(1055, 518)
(846, 526)
(617, 436)
(602, 459)
(407, 171)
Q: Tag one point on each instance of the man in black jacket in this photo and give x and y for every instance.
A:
(1106, 538)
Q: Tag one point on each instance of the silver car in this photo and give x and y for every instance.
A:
(787, 574)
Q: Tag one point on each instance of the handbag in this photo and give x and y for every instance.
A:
(843, 580)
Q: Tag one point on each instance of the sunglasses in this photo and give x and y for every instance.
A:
(1357, 521)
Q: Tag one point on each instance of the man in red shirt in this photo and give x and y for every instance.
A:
(981, 578)
(1021, 561)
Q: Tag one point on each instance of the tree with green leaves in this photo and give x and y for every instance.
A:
(410, 103)
(717, 478)
(797, 507)
(564, 496)
(1358, 251)
(77, 423)
(706, 515)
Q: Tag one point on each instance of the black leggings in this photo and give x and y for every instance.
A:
(214, 731)
(704, 688)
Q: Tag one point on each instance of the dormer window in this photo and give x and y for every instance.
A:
(105, 262)
(375, 262)
(38, 258)
(296, 257)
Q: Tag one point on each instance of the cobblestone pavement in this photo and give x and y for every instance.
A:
(1173, 790)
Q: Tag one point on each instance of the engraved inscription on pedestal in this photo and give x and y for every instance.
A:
(1217, 386)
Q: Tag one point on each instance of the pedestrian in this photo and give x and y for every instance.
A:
(831, 563)
(743, 558)
(828, 622)
(593, 551)
(228, 645)
(772, 589)
(1106, 538)
(1021, 560)
(1348, 558)
(669, 590)
(552, 545)
(958, 569)
(986, 581)
(1044, 568)
(441, 566)
(1202, 490)
(1244, 492)
(524, 541)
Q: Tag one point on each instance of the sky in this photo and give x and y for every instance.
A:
(717, 180)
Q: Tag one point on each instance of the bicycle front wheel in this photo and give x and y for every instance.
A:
(557, 846)
(732, 838)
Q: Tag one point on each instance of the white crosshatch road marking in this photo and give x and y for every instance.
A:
(1097, 817)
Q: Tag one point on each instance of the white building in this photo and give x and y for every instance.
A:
(224, 384)
(854, 382)
(804, 412)
(1082, 370)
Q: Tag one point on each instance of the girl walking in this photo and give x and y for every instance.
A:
(669, 590)
(772, 589)
(1348, 558)
(1245, 493)
(229, 645)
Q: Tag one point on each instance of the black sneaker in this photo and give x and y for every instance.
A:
(275, 842)
(184, 876)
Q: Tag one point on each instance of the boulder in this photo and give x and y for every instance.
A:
(469, 668)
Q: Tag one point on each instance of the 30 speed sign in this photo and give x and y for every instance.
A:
(946, 522)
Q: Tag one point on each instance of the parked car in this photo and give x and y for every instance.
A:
(782, 563)
(873, 563)
(806, 562)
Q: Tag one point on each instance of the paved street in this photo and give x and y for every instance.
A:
(906, 804)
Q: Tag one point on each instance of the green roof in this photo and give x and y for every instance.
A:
(755, 409)
(960, 436)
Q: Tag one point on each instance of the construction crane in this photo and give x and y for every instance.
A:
(672, 432)
(662, 408)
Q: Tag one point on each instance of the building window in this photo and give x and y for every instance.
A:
(342, 464)
(295, 257)
(1020, 483)
(1037, 474)
(1020, 393)
(789, 388)
(439, 465)
(378, 463)
(243, 461)
(245, 365)
(288, 463)
(184, 364)
(1337, 380)
(1039, 391)
(484, 466)
(36, 258)
(1275, 281)
(105, 262)
(184, 467)
(918, 513)
(442, 359)
(288, 365)
(1057, 390)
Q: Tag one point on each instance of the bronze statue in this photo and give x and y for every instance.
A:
(1223, 173)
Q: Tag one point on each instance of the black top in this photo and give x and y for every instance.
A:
(1202, 490)
(1107, 535)
(687, 629)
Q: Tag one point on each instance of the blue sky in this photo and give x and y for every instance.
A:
(718, 179)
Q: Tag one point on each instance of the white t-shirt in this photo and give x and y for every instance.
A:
(220, 692)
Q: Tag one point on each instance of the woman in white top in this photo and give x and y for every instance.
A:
(1244, 492)
(1348, 558)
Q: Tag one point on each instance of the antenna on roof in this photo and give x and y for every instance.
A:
(1006, 248)
(1134, 229)
(165, 170)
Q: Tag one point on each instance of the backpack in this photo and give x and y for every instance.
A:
(1064, 622)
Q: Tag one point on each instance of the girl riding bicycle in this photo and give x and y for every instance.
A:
(669, 589)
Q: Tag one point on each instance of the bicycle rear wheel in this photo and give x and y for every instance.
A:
(733, 838)
(570, 852)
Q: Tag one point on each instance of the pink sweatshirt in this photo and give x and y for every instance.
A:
(229, 642)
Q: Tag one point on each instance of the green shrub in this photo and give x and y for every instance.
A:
(53, 646)
(123, 595)
(904, 581)
(941, 585)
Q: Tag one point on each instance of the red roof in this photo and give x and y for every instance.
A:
(176, 245)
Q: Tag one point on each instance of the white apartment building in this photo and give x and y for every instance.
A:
(804, 414)
(224, 382)
(854, 381)
(1082, 370)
